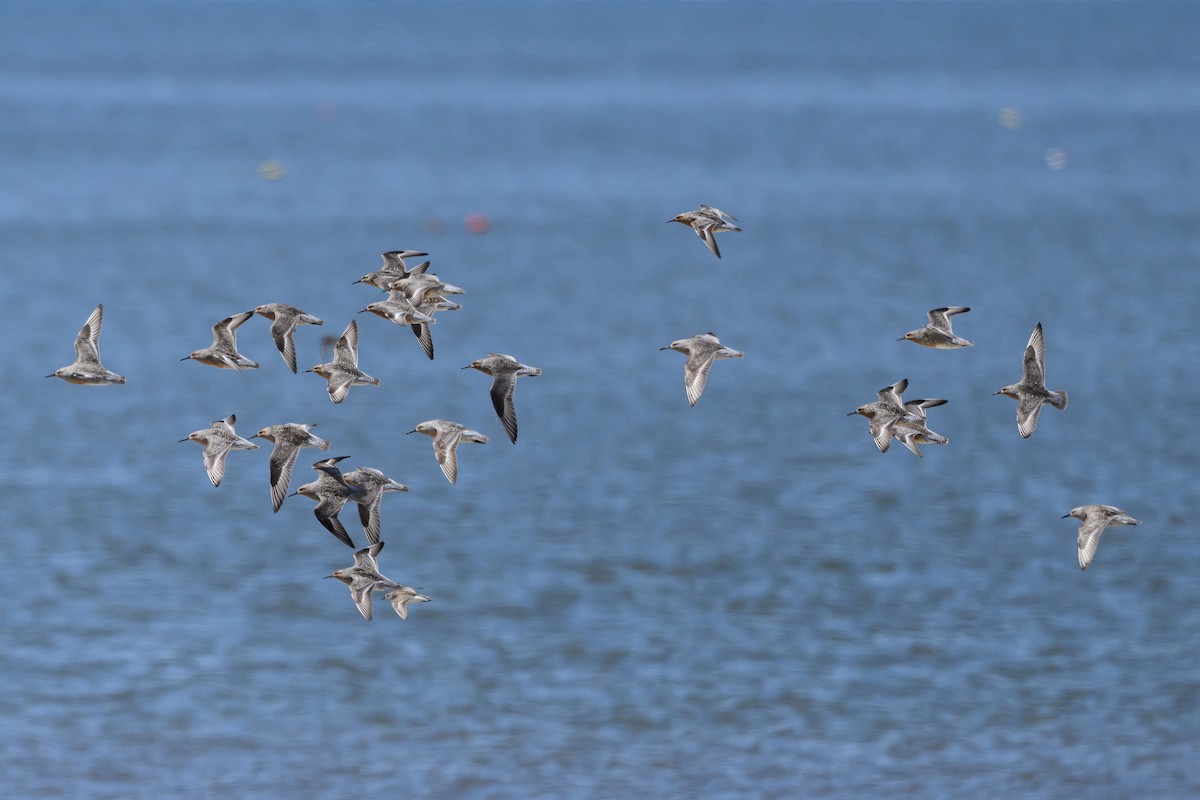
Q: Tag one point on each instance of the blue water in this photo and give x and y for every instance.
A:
(640, 599)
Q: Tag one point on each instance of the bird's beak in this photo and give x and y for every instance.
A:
(186, 440)
(902, 338)
(852, 413)
(357, 281)
(185, 358)
(51, 375)
(468, 366)
(1064, 516)
(995, 393)
(414, 430)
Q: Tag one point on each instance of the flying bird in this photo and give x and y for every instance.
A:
(223, 352)
(702, 350)
(504, 370)
(288, 437)
(218, 440)
(342, 372)
(1031, 392)
(1095, 519)
(938, 333)
(446, 437)
(331, 492)
(284, 319)
(707, 222)
(87, 369)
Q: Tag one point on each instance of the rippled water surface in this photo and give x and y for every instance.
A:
(640, 599)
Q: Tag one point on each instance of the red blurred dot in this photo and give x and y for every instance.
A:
(477, 223)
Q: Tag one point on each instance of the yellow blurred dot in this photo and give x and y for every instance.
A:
(1010, 118)
(271, 170)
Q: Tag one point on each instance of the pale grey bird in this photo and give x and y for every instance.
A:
(223, 352)
(218, 440)
(87, 369)
(707, 222)
(284, 319)
(910, 427)
(331, 491)
(889, 404)
(1031, 392)
(418, 286)
(891, 417)
(399, 309)
(394, 268)
(1094, 520)
(373, 484)
(342, 372)
(701, 351)
(288, 437)
(401, 596)
(446, 436)
(504, 370)
(938, 332)
(362, 578)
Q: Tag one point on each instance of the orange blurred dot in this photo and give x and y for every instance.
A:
(477, 223)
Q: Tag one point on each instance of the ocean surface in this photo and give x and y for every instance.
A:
(639, 599)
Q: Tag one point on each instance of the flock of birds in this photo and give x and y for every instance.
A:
(893, 418)
(890, 416)
(414, 296)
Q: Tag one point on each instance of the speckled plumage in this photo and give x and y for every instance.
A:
(331, 492)
(1031, 392)
(446, 437)
(342, 372)
(288, 437)
(707, 222)
(364, 578)
(702, 350)
(504, 370)
(223, 352)
(1094, 519)
(373, 484)
(218, 440)
(284, 320)
(938, 333)
(86, 369)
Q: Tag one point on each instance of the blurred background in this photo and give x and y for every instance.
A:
(639, 599)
